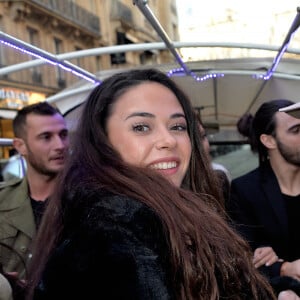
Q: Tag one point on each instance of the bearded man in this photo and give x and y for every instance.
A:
(264, 204)
(41, 138)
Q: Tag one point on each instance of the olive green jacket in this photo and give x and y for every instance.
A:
(17, 225)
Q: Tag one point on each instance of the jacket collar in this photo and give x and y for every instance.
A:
(19, 212)
(19, 195)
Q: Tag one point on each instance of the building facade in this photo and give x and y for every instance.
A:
(62, 26)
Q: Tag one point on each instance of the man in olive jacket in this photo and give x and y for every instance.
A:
(41, 138)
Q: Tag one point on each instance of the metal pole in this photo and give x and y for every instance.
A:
(50, 58)
(144, 8)
(139, 47)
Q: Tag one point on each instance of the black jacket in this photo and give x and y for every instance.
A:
(258, 211)
(113, 247)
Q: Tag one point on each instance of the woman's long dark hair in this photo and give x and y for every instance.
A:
(209, 260)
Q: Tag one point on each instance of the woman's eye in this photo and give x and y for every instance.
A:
(295, 130)
(179, 127)
(140, 128)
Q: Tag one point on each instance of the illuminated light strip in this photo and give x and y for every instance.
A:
(94, 79)
(142, 4)
(62, 64)
(295, 25)
(46, 56)
(26, 51)
(276, 61)
(144, 8)
(181, 72)
(138, 47)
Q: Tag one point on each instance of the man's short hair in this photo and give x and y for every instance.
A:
(40, 108)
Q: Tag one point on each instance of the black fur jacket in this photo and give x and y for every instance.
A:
(113, 247)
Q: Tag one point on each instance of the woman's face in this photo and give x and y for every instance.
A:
(148, 128)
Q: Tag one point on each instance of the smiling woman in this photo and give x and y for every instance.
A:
(148, 128)
(137, 206)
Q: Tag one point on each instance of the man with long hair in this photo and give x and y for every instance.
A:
(265, 203)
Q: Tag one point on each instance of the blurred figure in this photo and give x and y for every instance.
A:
(221, 172)
(41, 138)
(215, 166)
(265, 203)
(5, 289)
(135, 220)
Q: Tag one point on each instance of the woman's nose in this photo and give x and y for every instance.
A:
(165, 139)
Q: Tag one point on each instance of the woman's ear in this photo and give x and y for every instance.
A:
(268, 141)
(20, 146)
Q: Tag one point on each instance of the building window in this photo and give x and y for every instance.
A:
(120, 58)
(33, 36)
(60, 76)
(78, 59)
(98, 63)
(147, 57)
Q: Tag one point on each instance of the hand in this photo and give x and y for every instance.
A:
(18, 285)
(291, 269)
(288, 294)
(264, 256)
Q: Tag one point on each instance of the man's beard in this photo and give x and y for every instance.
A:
(290, 154)
(39, 166)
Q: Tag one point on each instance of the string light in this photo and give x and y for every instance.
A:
(23, 47)
(181, 72)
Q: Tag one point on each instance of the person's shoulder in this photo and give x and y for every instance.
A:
(10, 183)
(119, 202)
(88, 200)
(15, 190)
(100, 211)
(247, 177)
(220, 167)
(245, 187)
(217, 166)
(108, 205)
